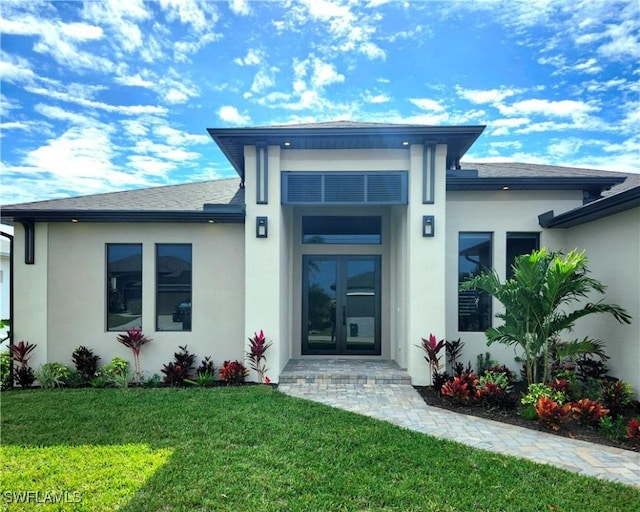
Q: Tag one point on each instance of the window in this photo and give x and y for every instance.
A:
(341, 230)
(474, 256)
(124, 286)
(518, 244)
(173, 287)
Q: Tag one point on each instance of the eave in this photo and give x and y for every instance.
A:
(209, 214)
(599, 209)
(593, 185)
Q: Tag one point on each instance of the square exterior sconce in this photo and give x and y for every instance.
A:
(428, 226)
(261, 227)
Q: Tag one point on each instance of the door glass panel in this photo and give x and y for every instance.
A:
(360, 305)
(321, 304)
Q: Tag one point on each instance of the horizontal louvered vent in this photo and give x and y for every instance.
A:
(344, 188)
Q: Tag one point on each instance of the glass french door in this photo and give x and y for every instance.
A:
(341, 305)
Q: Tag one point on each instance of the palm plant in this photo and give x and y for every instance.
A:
(536, 301)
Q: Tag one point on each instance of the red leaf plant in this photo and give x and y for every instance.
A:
(233, 372)
(633, 429)
(21, 353)
(431, 348)
(460, 389)
(135, 340)
(552, 413)
(258, 345)
(588, 411)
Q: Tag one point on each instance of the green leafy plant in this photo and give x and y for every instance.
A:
(202, 380)
(180, 368)
(116, 367)
(21, 353)
(233, 372)
(613, 428)
(51, 375)
(135, 340)
(153, 381)
(5, 370)
(537, 391)
(86, 363)
(99, 382)
(552, 413)
(483, 361)
(258, 345)
(121, 379)
(537, 302)
(5, 323)
(588, 412)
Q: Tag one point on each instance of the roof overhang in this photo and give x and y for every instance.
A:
(593, 211)
(232, 140)
(210, 214)
(593, 185)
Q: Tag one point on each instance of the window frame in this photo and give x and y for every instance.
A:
(481, 295)
(374, 220)
(522, 234)
(177, 312)
(108, 281)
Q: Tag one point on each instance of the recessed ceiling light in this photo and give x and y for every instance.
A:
(505, 187)
(405, 142)
(287, 143)
(74, 220)
(211, 221)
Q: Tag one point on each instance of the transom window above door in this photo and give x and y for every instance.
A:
(341, 230)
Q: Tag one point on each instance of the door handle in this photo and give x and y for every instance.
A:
(344, 315)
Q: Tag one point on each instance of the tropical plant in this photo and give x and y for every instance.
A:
(537, 391)
(135, 340)
(613, 428)
(258, 345)
(5, 370)
(21, 353)
(51, 375)
(180, 368)
(537, 300)
(431, 348)
(588, 368)
(588, 412)
(233, 372)
(483, 361)
(86, 362)
(453, 350)
(116, 367)
(633, 429)
(616, 396)
(202, 380)
(206, 367)
(552, 413)
(5, 323)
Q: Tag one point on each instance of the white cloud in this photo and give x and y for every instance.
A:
(201, 16)
(230, 114)
(252, 58)
(372, 51)
(58, 114)
(479, 96)
(376, 98)
(324, 73)
(561, 108)
(427, 104)
(264, 79)
(134, 81)
(15, 69)
(240, 7)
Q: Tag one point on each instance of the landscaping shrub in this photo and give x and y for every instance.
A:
(233, 372)
(537, 391)
(86, 363)
(21, 353)
(633, 429)
(135, 340)
(588, 412)
(616, 396)
(460, 389)
(258, 345)
(52, 375)
(5, 370)
(613, 428)
(180, 369)
(587, 368)
(552, 413)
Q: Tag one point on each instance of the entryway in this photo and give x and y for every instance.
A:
(341, 305)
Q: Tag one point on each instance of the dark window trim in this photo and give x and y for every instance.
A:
(491, 258)
(108, 284)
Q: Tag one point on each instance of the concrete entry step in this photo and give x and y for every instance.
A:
(343, 371)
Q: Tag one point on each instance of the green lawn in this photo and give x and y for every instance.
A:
(253, 449)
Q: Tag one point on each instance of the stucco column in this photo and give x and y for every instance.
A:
(265, 264)
(30, 311)
(425, 261)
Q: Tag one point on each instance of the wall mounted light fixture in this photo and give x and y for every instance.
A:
(261, 227)
(428, 225)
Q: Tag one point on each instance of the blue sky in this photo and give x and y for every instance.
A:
(108, 95)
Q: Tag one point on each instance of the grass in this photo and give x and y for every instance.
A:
(255, 449)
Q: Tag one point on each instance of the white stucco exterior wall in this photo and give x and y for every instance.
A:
(72, 300)
(612, 246)
(497, 212)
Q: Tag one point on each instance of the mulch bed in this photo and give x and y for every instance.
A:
(572, 429)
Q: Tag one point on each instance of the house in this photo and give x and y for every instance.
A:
(337, 239)
(6, 236)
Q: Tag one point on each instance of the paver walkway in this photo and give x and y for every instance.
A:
(402, 405)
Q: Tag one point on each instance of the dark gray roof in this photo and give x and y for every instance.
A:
(188, 196)
(206, 201)
(343, 135)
